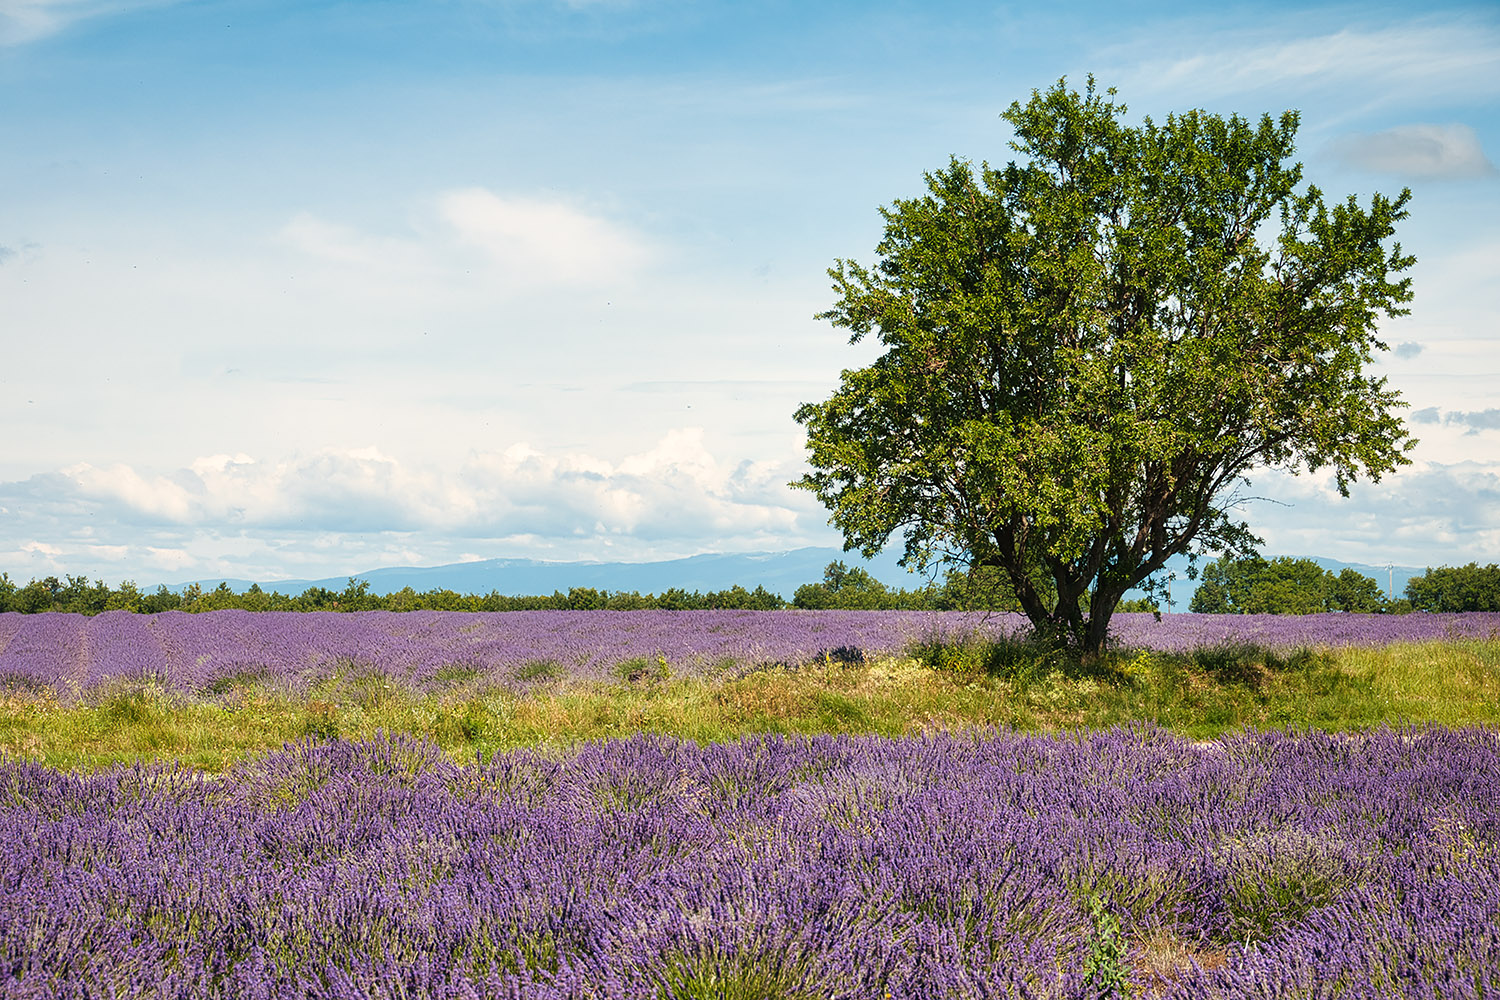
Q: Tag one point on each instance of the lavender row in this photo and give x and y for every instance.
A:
(191, 653)
(987, 865)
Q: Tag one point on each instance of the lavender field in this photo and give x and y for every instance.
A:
(1121, 863)
(968, 862)
(193, 652)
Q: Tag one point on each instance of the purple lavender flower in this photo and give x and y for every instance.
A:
(969, 866)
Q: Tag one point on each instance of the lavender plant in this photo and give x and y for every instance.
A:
(946, 866)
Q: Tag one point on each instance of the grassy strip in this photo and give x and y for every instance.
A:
(1200, 695)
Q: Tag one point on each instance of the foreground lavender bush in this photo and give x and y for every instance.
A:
(988, 865)
(193, 653)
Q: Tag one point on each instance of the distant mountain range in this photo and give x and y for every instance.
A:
(779, 572)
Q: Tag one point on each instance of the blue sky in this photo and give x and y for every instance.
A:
(301, 289)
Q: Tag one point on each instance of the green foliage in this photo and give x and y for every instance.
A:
(987, 588)
(844, 588)
(539, 670)
(642, 669)
(38, 595)
(1087, 352)
(1352, 591)
(1016, 659)
(162, 600)
(1282, 586)
(1456, 588)
(1105, 968)
(740, 975)
(1278, 877)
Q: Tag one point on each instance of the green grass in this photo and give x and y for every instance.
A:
(1201, 696)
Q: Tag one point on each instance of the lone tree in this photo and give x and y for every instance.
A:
(1086, 353)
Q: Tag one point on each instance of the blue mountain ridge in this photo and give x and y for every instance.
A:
(779, 572)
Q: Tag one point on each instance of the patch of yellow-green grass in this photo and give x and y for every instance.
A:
(142, 724)
(1453, 683)
(1213, 691)
(1200, 695)
(889, 697)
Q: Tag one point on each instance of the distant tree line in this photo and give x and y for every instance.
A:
(841, 587)
(1253, 585)
(77, 594)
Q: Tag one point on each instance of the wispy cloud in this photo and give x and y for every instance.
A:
(1474, 420)
(23, 21)
(1419, 151)
(1456, 57)
(542, 241)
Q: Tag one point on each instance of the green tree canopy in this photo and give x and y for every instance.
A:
(1456, 588)
(844, 588)
(1088, 351)
(1282, 586)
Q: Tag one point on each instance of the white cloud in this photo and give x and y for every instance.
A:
(348, 246)
(24, 21)
(349, 510)
(155, 497)
(1473, 420)
(1430, 513)
(542, 241)
(169, 559)
(675, 490)
(1410, 60)
(1422, 150)
(516, 244)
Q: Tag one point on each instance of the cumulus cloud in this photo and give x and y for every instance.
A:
(1407, 350)
(24, 21)
(1420, 151)
(520, 243)
(675, 490)
(337, 510)
(1428, 514)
